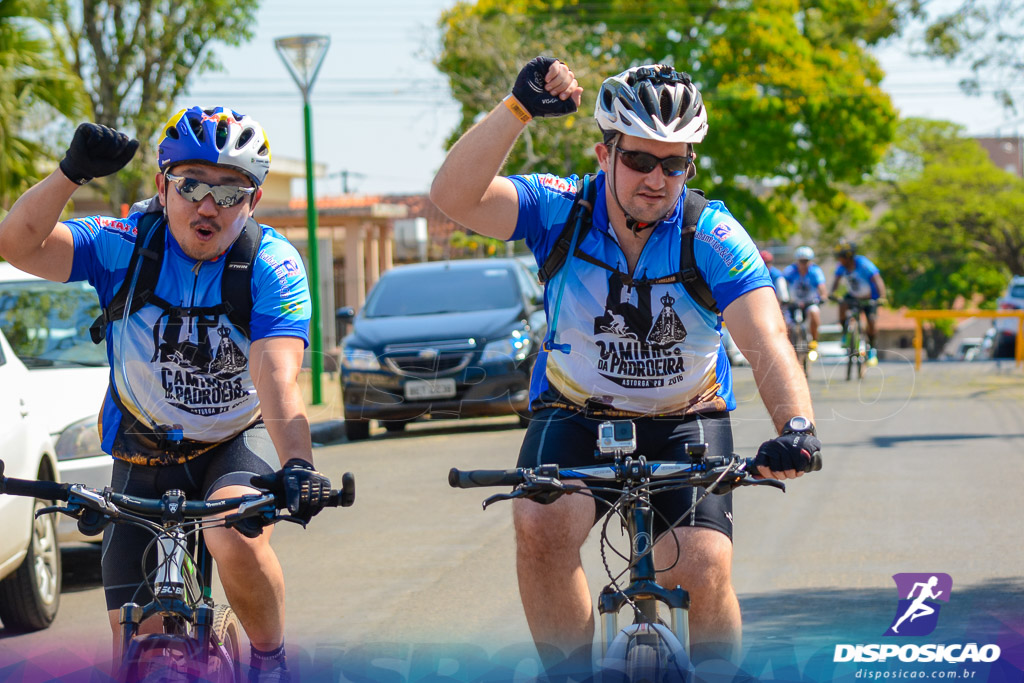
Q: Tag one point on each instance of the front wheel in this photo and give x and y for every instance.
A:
(643, 663)
(29, 597)
(225, 657)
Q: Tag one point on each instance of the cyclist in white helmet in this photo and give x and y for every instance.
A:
(806, 289)
(634, 342)
(192, 410)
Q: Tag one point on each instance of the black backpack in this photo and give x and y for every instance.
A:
(580, 221)
(236, 281)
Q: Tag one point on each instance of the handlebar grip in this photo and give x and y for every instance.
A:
(476, 478)
(346, 495)
(815, 463)
(47, 490)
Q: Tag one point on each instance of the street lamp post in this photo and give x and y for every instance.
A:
(303, 56)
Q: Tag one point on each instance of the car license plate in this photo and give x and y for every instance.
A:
(417, 389)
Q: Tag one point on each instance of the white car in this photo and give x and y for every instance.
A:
(47, 325)
(30, 577)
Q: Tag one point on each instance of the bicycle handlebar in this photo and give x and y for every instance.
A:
(96, 499)
(705, 471)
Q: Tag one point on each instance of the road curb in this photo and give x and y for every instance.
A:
(327, 432)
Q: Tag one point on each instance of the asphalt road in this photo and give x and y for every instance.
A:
(923, 473)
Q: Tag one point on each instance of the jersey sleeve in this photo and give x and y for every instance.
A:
(102, 250)
(817, 275)
(544, 205)
(727, 256)
(866, 267)
(281, 305)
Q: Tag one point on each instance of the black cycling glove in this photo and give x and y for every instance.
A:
(96, 151)
(304, 490)
(794, 451)
(529, 90)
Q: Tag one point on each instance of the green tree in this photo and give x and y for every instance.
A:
(983, 35)
(136, 58)
(33, 89)
(952, 229)
(796, 112)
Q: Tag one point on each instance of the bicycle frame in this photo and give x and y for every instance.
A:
(182, 596)
(643, 590)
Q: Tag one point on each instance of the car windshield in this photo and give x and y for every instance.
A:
(447, 290)
(47, 323)
(1017, 291)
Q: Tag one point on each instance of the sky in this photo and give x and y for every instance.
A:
(382, 112)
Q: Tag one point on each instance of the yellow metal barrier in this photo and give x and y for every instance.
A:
(918, 316)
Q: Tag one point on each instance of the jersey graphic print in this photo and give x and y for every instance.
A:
(199, 377)
(634, 347)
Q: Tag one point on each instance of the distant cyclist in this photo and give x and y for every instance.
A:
(806, 282)
(863, 282)
(778, 281)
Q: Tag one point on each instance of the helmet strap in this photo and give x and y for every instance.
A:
(632, 224)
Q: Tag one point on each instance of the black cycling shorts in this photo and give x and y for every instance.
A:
(568, 439)
(231, 463)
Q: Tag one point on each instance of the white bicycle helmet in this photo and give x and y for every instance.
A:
(216, 136)
(653, 102)
(803, 254)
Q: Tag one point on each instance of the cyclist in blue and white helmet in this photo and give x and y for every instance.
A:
(634, 339)
(217, 148)
(198, 400)
(807, 290)
(655, 103)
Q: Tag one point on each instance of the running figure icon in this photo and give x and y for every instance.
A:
(918, 608)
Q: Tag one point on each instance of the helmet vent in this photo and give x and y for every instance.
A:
(666, 104)
(222, 133)
(172, 133)
(244, 138)
(648, 96)
(263, 151)
(196, 126)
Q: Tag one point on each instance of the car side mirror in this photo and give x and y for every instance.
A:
(345, 313)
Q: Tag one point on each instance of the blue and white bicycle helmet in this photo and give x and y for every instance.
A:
(216, 136)
(804, 253)
(654, 102)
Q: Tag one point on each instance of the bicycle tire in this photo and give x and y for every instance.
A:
(160, 663)
(643, 663)
(227, 633)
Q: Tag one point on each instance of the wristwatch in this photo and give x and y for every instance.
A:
(799, 425)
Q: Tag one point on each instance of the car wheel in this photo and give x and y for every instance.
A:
(394, 425)
(357, 430)
(29, 597)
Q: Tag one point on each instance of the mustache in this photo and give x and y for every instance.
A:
(204, 224)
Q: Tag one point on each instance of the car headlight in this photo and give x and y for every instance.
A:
(515, 347)
(359, 359)
(79, 440)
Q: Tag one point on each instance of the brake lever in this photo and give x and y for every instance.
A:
(55, 508)
(544, 490)
(775, 483)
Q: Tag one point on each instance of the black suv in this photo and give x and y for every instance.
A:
(444, 339)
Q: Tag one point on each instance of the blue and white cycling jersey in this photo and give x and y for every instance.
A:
(803, 289)
(859, 282)
(638, 347)
(188, 372)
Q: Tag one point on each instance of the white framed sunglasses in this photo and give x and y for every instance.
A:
(196, 190)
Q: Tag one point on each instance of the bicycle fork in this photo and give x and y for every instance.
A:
(643, 590)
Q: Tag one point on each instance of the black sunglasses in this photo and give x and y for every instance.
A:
(642, 162)
(195, 191)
